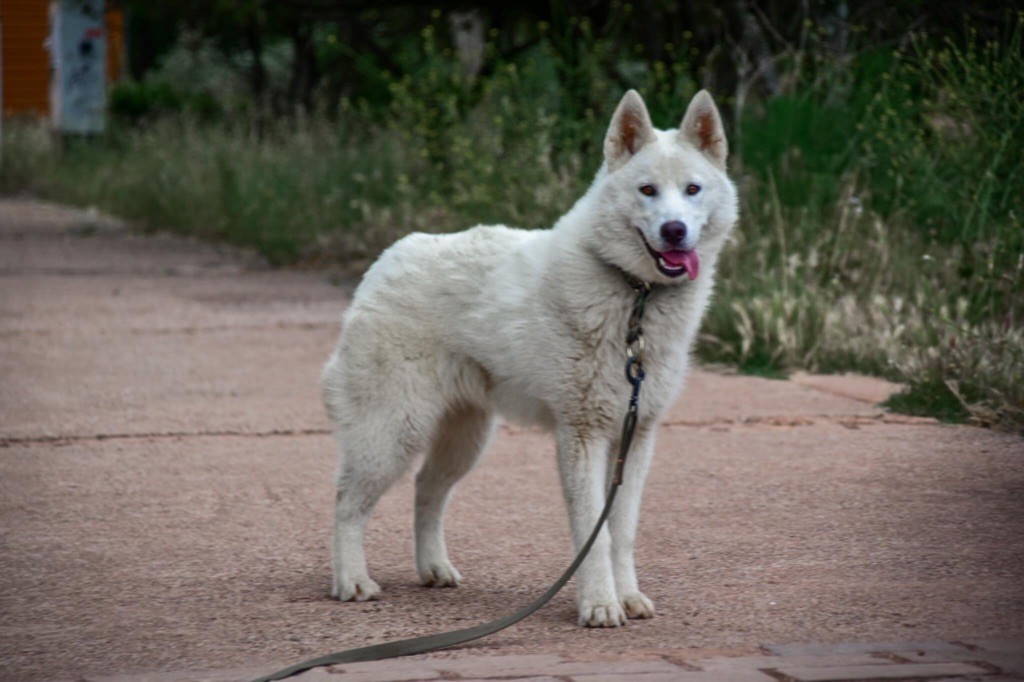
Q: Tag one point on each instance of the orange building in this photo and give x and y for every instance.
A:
(25, 56)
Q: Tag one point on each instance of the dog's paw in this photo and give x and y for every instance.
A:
(356, 589)
(441, 574)
(602, 614)
(636, 605)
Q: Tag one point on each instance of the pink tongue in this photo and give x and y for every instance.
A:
(687, 259)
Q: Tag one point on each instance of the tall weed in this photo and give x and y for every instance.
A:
(881, 224)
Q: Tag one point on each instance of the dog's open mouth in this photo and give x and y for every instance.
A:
(674, 263)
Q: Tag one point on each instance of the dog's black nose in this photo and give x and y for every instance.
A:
(674, 233)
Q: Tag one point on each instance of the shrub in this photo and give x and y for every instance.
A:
(880, 229)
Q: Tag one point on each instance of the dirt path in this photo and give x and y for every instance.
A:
(165, 489)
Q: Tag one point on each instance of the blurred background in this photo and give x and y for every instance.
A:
(877, 145)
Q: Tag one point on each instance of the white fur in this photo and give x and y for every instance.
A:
(445, 332)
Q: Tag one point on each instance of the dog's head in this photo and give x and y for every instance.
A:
(664, 199)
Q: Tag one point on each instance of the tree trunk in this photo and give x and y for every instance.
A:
(257, 71)
(304, 67)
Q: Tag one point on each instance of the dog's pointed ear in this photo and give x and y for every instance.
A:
(630, 130)
(702, 127)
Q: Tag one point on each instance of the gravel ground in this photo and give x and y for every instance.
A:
(165, 489)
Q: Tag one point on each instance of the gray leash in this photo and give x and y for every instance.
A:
(420, 645)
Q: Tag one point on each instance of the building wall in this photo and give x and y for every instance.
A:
(116, 66)
(25, 59)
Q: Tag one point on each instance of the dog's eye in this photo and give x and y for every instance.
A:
(649, 190)
(692, 189)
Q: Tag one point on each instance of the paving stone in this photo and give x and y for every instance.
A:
(387, 671)
(546, 678)
(374, 672)
(861, 647)
(758, 662)
(1006, 653)
(1012, 664)
(523, 666)
(1003, 645)
(625, 668)
(544, 668)
(960, 655)
(680, 676)
(232, 675)
(892, 671)
(318, 675)
(480, 665)
(526, 667)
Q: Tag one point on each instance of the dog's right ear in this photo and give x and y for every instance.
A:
(630, 130)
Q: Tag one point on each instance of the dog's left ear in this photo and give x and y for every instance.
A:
(631, 129)
(702, 127)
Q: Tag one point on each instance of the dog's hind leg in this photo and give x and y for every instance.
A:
(382, 425)
(360, 485)
(461, 436)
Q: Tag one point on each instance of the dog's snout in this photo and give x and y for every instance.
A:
(674, 233)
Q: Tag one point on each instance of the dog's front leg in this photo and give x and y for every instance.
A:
(623, 522)
(583, 464)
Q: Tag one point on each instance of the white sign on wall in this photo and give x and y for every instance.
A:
(78, 50)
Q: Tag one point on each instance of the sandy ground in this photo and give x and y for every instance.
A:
(165, 488)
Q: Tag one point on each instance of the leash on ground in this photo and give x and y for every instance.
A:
(635, 374)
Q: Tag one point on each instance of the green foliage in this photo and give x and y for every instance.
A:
(134, 101)
(946, 130)
(794, 141)
(880, 229)
(944, 146)
(929, 399)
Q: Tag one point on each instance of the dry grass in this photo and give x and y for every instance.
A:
(880, 233)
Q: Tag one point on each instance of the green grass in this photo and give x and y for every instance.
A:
(930, 400)
(881, 220)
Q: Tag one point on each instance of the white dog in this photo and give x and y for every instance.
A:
(445, 331)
